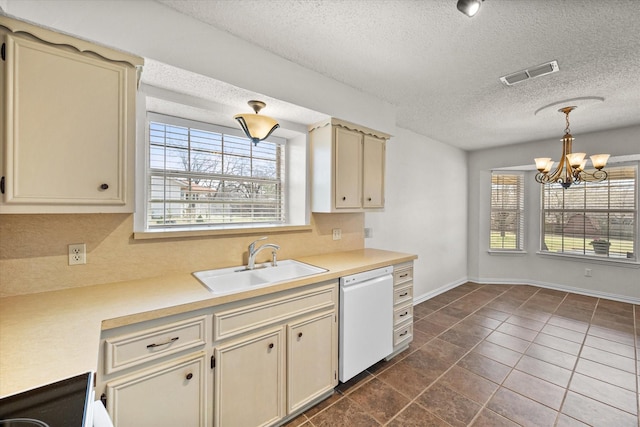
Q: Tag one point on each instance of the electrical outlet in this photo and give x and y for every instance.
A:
(587, 272)
(337, 233)
(368, 233)
(77, 254)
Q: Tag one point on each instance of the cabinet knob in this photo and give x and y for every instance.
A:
(271, 345)
(369, 199)
(104, 186)
(299, 334)
(189, 376)
(344, 198)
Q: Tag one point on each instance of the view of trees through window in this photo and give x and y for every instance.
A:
(204, 177)
(592, 218)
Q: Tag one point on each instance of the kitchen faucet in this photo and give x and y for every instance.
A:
(253, 252)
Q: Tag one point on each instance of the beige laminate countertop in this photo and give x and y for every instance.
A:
(53, 335)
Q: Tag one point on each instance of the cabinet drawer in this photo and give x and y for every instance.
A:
(402, 314)
(402, 273)
(403, 335)
(402, 294)
(133, 349)
(238, 320)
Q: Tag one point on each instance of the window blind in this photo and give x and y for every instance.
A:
(593, 218)
(201, 175)
(507, 211)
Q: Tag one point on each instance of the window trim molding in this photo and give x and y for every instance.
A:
(523, 214)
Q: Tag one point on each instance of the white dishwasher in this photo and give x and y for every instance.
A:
(366, 320)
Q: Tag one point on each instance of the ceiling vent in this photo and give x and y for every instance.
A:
(537, 71)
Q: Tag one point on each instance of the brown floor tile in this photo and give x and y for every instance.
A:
(553, 292)
(610, 346)
(477, 319)
(626, 338)
(428, 327)
(493, 314)
(442, 319)
(614, 318)
(507, 306)
(525, 322)
(536, 389)
(609, 359)
(298, 421)
(567, 421)
(596, 413)
(383, 364)
(485, 367)
(408, 380)
(607, 374)
(508, 341)
(488, 418)
(343, 413)
(460, 339)
(550, 355)
(574, 325)
(605, 393)
(416, 416)
(323, 405)
(420, 311)
(468, 384)
(532, 313)
(440, 350)
(454, 311)
(575, 313)
(431, 304)
(379, 400)
(615, 326)
(498, 353)
(543, 370)
(353, 383)
(517, 331)
(522, 410)
(419, 339)
(615, 307)
(558, 343)
(566, 334)
(452, 407)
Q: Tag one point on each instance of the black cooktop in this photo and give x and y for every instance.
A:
(60, 404)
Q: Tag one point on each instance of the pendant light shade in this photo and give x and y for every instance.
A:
(255, 126)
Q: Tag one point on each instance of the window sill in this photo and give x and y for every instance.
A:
(170, 233)
(506, 252)
(592, 259)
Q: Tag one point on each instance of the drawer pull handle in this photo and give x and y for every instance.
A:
(271, 345)
(402, 276)
(404, 333)
(164, 343)
(405, 294)
(189, 376)
(404, 314)
(299, 334)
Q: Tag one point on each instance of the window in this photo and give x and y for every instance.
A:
(207, 175)
(507, 211)
(596, 219)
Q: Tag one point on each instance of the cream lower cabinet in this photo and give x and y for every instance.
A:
(402, 307)
(171, 394)
(281, 357)
(249, 380)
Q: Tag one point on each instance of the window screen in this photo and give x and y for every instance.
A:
(209, 175)
(507, 211)
(593, 218)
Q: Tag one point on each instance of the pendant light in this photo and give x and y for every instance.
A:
(255, 126)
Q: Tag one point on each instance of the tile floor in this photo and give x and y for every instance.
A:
(498, 355)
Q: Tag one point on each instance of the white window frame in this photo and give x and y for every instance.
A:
(589, 253)
(496, 206)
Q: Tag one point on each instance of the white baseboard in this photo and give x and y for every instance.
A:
(557, 287)
(442, 289)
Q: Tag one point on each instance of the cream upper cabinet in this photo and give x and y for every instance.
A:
(348, 164)
(68, 109)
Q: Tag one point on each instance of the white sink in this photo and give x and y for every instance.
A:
(237, 279)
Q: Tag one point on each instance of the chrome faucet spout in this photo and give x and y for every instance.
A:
(253, 252)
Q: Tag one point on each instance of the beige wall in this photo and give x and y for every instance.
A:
(33, 249)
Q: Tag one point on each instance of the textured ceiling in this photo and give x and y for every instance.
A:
(441, 69)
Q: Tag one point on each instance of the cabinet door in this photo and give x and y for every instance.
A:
(373, 172)
(249, 380)
(312, 359)
(69, 119)
(348, 172)
(173, 394)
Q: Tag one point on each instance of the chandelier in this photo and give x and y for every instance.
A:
(570, 168)
(255, 126)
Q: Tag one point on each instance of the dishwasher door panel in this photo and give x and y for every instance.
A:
(366, 325)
